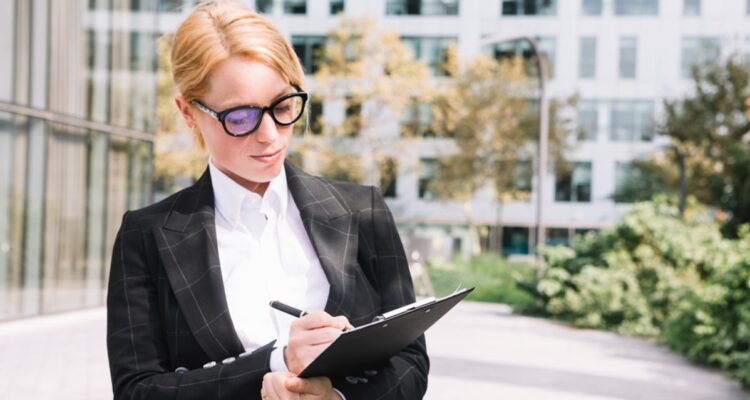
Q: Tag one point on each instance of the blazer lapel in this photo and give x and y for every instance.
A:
(333, 230)
(188, 250)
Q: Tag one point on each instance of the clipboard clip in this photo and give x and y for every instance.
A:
(404, 309)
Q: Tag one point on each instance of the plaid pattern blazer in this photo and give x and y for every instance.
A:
(169, 332)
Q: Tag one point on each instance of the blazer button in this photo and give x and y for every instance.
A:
(209, 364)
(181, 370)
(228, 360)
(245, 354)
(352, 380)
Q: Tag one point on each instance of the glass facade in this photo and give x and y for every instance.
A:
(421, 7)
(427, 173)
(529, 7)
(591, 7)
(587, 58)
(76, 104)
(432, 50)
(628, 57)
(637, 7)
(522, 48)
(631, 121)
(588, 120)
(309, 50)
(573, 183)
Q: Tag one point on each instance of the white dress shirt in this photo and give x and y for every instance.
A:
(265, 255)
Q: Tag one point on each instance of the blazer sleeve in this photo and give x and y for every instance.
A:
(138, 357)
(404, 376)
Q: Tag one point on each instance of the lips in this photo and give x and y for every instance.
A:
(267, 158)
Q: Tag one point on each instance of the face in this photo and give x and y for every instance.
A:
(255, 159)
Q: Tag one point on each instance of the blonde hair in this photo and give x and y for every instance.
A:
(219, 29)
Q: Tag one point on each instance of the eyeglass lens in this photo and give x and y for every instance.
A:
(246, 119)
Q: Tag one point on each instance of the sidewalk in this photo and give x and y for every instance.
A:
(478, 351)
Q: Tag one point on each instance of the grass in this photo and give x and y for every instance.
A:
(493, 276)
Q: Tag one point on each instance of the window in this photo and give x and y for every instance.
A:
(631, 121)
(264, 6)
(696, 51)
(587, 59)
(388, 176)
(557, 237)
(573, 183)
(427, 172)
(309, 50)
(623, 174)
(353, 117)
(315, 113)
(628, 57)
(421, 7)
(336, 6)
(416, 119)
(588, 120)
(529, 7)
(636, 7)
(522, 171)
(296, 7)
(591, 7)
(171, 5)
(691, 8)
(522, 48)
(432, 50)
(516, 240)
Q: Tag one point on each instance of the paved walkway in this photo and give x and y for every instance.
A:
(478, 351)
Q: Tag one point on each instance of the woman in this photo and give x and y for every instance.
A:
(192, 275)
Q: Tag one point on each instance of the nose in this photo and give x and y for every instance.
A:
(267, 131)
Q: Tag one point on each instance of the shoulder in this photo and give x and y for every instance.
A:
(158, 212)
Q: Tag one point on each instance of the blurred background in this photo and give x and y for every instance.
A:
(583, 160)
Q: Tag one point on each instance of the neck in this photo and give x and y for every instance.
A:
(255, 187)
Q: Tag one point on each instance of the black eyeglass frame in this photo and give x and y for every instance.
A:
(221, 115)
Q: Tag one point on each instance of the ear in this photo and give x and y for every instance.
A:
(185, 110)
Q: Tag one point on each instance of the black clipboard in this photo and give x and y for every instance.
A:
(370, 344)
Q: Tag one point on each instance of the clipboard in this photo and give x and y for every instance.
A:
(367, 345)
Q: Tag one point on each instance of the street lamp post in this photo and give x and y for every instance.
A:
(543, 129)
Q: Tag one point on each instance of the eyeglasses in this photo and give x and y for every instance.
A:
(244, 120)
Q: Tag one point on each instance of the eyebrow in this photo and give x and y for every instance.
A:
(280, 94)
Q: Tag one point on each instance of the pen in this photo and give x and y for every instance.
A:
(288, 309)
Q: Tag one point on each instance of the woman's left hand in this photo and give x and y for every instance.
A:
(286, 386)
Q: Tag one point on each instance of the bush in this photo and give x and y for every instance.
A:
(655, 274)
(494, 277)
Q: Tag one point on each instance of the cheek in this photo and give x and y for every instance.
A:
(220, 145)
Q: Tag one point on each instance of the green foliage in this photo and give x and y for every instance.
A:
(495, 279)
(708, 155)
(654, 274)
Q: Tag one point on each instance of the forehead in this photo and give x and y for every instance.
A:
(243, 81)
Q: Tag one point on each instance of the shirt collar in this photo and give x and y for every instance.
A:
(229, 196)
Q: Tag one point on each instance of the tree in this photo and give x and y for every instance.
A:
(708, 154)
(371, 74)
(486, 110)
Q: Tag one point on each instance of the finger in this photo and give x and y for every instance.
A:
(344, 322)
(316, 337)
(316, 319)
(311, 386)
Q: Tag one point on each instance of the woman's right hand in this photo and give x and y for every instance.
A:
(309, 336)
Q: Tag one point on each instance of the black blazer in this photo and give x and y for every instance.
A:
(166, 305)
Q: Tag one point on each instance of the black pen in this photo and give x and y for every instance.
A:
(294, 312)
